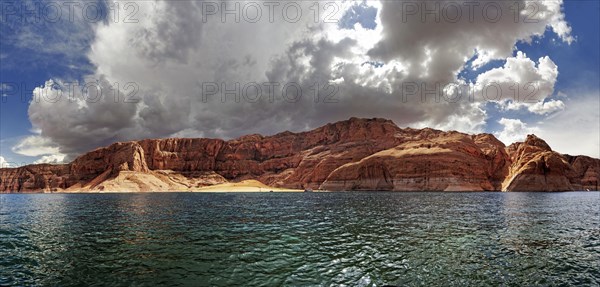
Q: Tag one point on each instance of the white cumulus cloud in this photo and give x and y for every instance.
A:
(519, 81)
(573, 130)
(153, 74)
(514, 130)
(35, 146)
(52, 159)
(548, 107)
(3, 163)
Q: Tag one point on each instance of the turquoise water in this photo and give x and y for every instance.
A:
(299, 239)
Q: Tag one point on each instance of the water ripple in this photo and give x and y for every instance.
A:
(319, 239)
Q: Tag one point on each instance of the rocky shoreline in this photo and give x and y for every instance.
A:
(356, 154)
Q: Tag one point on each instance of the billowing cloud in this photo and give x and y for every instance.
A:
(35, 146)
(435, 45)
(42, 147)
(520, 83)
(572, 130)
(540, 107)
(514, 130)
(171, 73)
(72, 120)
(52, 159)
(3, 163)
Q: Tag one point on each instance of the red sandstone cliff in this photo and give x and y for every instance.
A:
(357, 154)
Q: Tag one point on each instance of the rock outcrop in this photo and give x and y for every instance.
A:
(537, 168)
(357, 154)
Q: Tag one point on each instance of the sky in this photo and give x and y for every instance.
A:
(77, 75)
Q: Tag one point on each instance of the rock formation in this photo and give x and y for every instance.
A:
(356, 154)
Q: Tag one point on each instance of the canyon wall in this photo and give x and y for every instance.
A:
(356, 154)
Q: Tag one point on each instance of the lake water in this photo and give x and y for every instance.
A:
(300, 239)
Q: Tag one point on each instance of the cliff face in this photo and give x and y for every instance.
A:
(428, 160)
(357, 154)
(537, 168)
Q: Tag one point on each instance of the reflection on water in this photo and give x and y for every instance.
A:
(273, 239)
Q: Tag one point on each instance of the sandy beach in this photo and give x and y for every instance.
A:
(245, 186)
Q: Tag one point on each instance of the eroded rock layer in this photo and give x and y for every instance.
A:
(357, 154)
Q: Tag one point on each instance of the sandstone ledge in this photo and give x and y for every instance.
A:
(356, 154)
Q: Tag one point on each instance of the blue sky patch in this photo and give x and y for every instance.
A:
(362, 13)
